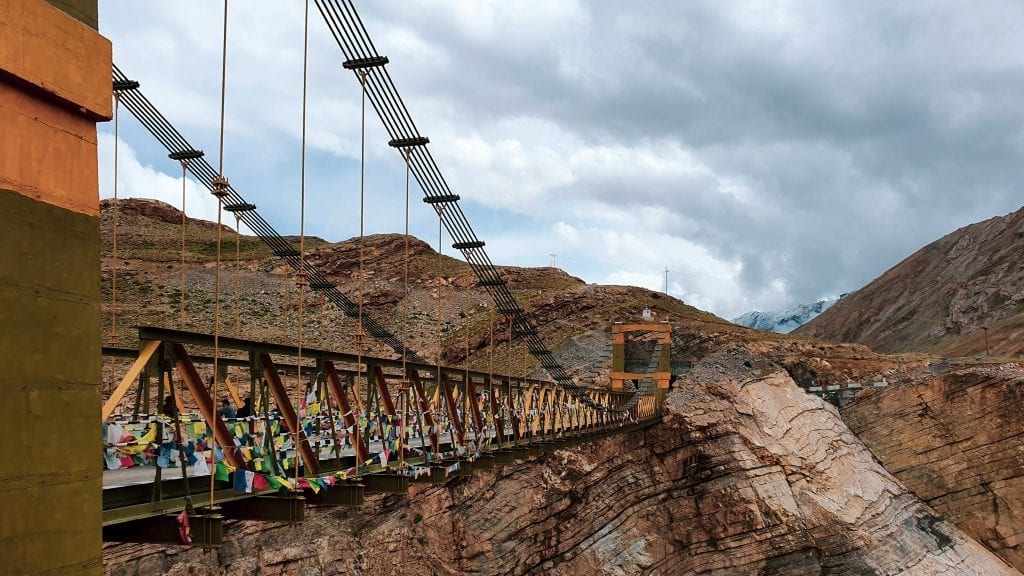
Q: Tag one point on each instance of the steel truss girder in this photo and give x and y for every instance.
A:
(206, 530)
(288, 509)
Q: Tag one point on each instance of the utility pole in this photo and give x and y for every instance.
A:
(666, 280)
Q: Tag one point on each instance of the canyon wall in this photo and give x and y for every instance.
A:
(957, 441)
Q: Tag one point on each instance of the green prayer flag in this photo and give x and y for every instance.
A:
(222, 472)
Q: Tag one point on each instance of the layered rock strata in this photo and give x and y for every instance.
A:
(957, 441)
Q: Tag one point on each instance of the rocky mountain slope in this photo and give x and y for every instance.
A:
(783, 321)
(956, 440)
(748, 475)
(259, 299)
(947, 298)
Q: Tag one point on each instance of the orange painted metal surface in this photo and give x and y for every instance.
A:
(453, 414)
(426, 410)
(348, 414)
(190, 376)
(291, 419)
(616, 328)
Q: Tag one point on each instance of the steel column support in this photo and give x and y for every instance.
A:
(284, 509)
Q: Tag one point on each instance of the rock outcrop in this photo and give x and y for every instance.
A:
(962, 294)
(957, 441)
(747, 475)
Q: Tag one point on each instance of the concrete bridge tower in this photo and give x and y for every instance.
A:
(55, 85)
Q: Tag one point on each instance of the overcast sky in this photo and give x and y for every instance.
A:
(766, 153)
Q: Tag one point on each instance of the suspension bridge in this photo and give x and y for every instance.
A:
(305, 425)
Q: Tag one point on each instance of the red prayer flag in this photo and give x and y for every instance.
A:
(183, 528)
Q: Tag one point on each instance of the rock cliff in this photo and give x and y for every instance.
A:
(747, 475)
(956, 440)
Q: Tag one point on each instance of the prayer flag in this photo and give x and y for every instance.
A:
(114, 433)
(222, 472)
(149, 436)
(200, 467)
(259, 483)
(183, 528)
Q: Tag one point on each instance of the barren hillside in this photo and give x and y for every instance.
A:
(942, 298)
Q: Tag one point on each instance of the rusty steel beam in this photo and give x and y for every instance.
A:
(426, 411)
(291, 419)
(382, 390)
(206, 405)
(453, 412)
(231, 343)
(478, 420)
(348, 416)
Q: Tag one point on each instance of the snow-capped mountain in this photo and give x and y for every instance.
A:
(783, 321)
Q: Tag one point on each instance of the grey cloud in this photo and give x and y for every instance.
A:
(865, 129)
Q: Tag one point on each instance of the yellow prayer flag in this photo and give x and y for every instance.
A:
(149, 436)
